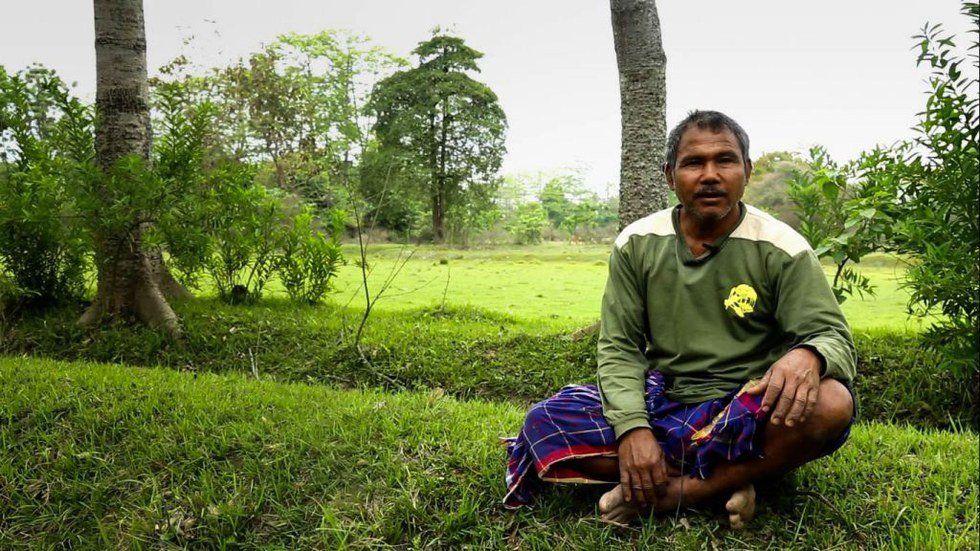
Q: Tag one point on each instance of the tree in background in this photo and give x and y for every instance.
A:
(300, 104)
(768, 188)
(643, 106)
(127, 274)
(528, 223)
(570, 209)
(557, 197)
(439, 125)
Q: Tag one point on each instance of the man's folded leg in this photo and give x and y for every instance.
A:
(783, 449)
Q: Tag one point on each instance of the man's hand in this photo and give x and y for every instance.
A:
(791, 385)
(642, 468)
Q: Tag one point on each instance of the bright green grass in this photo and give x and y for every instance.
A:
(466, 352)
(559, 285)
(99, 456)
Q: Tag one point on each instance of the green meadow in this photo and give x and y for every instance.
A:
(263, 428)
(559, 285)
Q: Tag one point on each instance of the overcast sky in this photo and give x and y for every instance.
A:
(793, 73)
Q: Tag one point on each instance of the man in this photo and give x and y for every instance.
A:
(723, 356)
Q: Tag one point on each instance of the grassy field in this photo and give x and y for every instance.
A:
(511, 342)
(102, 456)
(464, 351)
(325, 451)
(559, 285)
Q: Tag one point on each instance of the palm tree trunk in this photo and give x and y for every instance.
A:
(643, 96)
(128, 276)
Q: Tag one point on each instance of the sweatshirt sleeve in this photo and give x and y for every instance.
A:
(809, 315)
(622, 364)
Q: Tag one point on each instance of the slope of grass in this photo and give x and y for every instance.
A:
(466, 352)
(102, 456)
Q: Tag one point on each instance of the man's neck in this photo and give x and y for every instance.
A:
(702, 231)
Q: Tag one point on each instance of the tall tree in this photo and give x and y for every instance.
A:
(299, 103)
(643, 105)
(129, 277)
(439, 123)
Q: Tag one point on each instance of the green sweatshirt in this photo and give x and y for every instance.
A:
(711, 323)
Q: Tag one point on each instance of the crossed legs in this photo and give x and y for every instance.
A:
(784, 449)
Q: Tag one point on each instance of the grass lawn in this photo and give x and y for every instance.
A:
(106, 456)
(559, 285)
(315, 455)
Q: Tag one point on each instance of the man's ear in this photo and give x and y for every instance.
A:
(748, 170)
(669, 175)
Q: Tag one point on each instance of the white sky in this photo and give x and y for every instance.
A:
(793, 73)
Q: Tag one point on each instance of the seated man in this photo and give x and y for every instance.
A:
(722, 352)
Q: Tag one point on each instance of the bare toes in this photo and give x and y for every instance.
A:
(741, 507)
(611, 500)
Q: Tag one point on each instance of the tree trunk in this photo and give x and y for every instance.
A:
(435, 190)
(438, 216)
(128, 276)
(643, 106)
(443, 126)
(168, 284)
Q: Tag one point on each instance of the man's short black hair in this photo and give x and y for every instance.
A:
(712, 120)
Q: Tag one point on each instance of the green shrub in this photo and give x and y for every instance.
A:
(528, 223)
(185, 164)
(932, 188)
(41, 245)
(308, 258)
(9, 295)
(824, 199)
(244, 225)
(920, 199)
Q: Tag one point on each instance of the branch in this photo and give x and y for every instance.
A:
(369, 301)
(840, 268)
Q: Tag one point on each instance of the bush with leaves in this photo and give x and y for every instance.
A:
(919, 199)
(825, 203)
(244, 225)
(528, 223)
(183, 161)
(930, 187)
(43, 130)
(309, 257)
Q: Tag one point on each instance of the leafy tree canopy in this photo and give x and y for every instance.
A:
(442, 126)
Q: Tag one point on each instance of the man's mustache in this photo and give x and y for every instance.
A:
(709, 192)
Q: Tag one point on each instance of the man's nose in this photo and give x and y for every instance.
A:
(710, 173)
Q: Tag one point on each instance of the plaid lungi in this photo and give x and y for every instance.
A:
(570, 424)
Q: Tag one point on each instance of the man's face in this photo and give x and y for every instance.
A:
(710, 174)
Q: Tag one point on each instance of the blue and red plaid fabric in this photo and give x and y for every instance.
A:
(570, 424)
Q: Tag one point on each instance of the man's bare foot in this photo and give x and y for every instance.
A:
(741, 507)
(614, 509)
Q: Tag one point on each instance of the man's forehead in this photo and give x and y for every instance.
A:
(695, 138)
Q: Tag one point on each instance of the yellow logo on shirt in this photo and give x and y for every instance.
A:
(741, 300)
